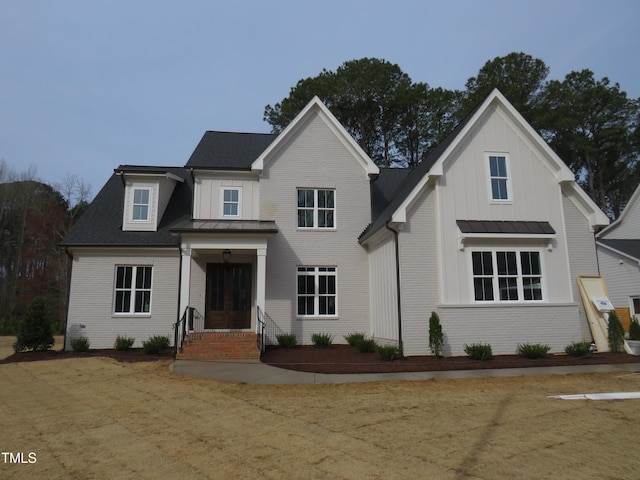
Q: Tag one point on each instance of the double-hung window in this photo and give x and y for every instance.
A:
(230, 202)
(316, 208)
(141, 204)
(317, 291)
(499, 178)
(506, 276)
(132, 289)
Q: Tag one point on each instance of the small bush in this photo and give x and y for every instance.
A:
(478, 351)
(579, 349)
(387, 353)
(123, 343)
(436, 337)
(634, 329)
(80, 344)
(615, 332)
(35, 332)
(321, 340)
(366, 345)
(155, 344)
(532, 350)
(354, 338)
(287, 340)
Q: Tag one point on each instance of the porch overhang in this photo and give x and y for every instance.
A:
(226, 226)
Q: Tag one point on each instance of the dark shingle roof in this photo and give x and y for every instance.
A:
(506, 227)
(101, 224)
(385, 187)
(628, 247)
(227, 150)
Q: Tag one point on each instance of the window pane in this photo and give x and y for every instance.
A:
(506, 263)
(530, 263)
(499, 189)
(123, 277)
(508, 288)
(140, 212)
(532, 287)
(483, 289)
(482, 264)
(325, 198)
(143, 301)
(123, 300)
(325, 219)
(141, 196)
(143, 277)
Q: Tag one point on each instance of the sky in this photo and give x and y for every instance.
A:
(86, 86)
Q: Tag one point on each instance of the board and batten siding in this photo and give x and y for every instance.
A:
(208, 193)
(314, 157)
(384, 289)
(91, 309)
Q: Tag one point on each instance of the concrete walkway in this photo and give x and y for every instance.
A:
(255, 372)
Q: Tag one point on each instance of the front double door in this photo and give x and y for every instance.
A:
(228, 296)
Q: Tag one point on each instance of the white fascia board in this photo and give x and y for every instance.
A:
(317, 105)
(634, 198)
(587, 207)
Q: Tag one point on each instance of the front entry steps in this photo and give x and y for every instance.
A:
(220, 346)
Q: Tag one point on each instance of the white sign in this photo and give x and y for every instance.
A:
(603, 304)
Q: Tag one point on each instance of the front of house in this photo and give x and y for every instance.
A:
(304, 232)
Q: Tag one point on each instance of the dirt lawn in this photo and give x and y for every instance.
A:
(95, 418)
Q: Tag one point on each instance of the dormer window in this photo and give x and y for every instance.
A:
(499, 178)
(141, 204)
(231, 202)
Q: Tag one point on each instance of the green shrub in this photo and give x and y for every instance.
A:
(321, 340)
(80, 344)
(123, 343)
(532, 350)
(615, 332)
(436, 337)
(634, 329)
(478, 351)
(354, 338)
(155, 344)
(579, 349)
(287, 340)
(35, 332)
(387, 353)
(366, 345)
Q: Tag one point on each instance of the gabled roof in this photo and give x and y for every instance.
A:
(315, 106)
(431, 168)
(627, 248)
(631, 205)
(228, 150)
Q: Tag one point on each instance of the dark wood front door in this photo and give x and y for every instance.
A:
(228, 296)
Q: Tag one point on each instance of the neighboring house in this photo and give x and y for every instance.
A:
(618, 248)
(302, 229)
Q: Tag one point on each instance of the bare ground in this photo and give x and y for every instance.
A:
(99, 418)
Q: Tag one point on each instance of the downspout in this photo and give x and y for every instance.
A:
(68, 280)
(175, 347)
(395, 234)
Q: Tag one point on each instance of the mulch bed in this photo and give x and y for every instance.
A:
(345, 359)
(132, 355)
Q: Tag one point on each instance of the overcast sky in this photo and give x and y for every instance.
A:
(88, 85)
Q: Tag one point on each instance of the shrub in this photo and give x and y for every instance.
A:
(123, 343)
(80, 344)
(155, 344)
(532, 350)
(321, 340)
(354, 338)
(579, 349)
(366, 345)
(615, 332)
(634, 329)
(436, 337)
(387, 353)
(478, 351)
(35, 332)
(287, 340)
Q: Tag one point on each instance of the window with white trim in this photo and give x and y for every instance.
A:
(499, 178)
(317, 292)
(316, 208)
(230, 202)
(141, 204)
(132, 292)
(506, 276)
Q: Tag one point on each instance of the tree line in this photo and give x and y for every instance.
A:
(591, 124)
(34, 218)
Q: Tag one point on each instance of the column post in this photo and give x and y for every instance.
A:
(261, 278)
(185, 279)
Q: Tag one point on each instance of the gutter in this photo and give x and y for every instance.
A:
(398, 283)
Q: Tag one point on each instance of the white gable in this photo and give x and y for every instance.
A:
(627, 226)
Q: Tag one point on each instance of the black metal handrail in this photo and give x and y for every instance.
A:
(260, 327)
(191, 321)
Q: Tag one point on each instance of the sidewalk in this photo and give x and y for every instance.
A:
(255, 372)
